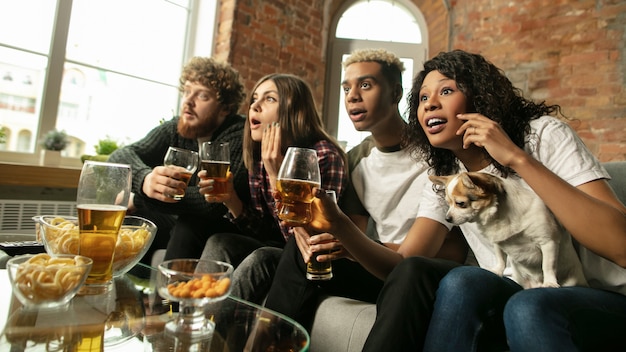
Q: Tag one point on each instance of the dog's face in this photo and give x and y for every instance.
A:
(469, 195)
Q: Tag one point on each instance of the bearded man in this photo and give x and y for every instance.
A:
(212, 93)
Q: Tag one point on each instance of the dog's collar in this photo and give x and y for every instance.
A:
(393, 148)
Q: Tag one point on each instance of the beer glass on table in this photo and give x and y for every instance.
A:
(185, 162)
(215, 159)
(102, 199)
(297, 176)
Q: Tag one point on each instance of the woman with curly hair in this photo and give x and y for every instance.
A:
(465, 115)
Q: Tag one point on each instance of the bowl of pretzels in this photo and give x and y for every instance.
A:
(47, 281)
(60, 235)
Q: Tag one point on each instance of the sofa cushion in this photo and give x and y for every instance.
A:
(341, 324)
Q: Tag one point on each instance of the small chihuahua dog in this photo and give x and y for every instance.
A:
(518, 223)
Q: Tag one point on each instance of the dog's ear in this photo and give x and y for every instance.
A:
(490, 183)
(439, 180)
(467, 179)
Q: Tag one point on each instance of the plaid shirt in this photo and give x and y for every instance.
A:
(259, 218)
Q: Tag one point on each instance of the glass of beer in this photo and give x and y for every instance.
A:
(215, 159)
(185, 162)
(102, 200)
(320, 270)
(298, 174)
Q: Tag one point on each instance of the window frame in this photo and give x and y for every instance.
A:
(340, 46)
(201, 16)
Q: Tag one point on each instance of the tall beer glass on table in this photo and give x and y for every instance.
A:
(102, 199)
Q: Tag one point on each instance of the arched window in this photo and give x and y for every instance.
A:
(24, 139)
(397, 26)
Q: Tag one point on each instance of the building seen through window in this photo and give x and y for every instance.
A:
(108, 75)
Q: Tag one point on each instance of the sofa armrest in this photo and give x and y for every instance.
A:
(341, 324)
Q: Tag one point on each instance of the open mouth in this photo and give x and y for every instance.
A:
(357, 114)
(188, 114)
(254, 123)
(435, 121)
(435, 124)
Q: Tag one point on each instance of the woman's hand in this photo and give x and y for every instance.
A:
(271, 151)
(323, 242)
(486, 133)
(205, 186)
(325, 213)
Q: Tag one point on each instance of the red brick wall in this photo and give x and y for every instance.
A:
(569, 53)
(565, 52)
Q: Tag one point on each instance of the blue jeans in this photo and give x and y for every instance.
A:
(476, 310)
(468, 311)
(566, 319)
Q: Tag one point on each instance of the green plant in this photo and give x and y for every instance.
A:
(106, 146)
(3, 134)
(55, 140)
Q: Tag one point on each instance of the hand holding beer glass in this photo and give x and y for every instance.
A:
(102, 200)
(215, 160)
(320, 270)
(185, 162)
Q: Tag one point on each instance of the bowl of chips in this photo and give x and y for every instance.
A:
(134, 240)
(47, 281)
(59, 235)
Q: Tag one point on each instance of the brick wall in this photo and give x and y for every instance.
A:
(569, 53)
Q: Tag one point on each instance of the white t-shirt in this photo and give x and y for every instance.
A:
(559, 148)
(389, 185)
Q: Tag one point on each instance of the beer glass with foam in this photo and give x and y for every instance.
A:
(102, 199)
(215, 159)
(185, 162)
(298, 174)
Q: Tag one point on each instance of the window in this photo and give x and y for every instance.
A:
(94, 68)
(393, 25)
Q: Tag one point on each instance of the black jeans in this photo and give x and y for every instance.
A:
(189, 235)
(405, 305)
(294, 295)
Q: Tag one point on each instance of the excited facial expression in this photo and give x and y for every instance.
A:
(264, 109)
(369, 98)
(201, 113)
(440, 100)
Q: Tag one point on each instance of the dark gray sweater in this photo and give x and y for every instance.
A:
(148, 153)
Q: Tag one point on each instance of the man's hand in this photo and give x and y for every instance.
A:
(162, 182)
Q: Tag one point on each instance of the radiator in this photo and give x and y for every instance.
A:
(16, 215)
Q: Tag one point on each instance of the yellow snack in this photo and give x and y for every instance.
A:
(44, 278)
(207, 286)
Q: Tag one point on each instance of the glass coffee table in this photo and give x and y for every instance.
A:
(131, 317)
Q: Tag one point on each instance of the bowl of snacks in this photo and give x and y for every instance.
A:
(134, 240)
(59, 235)
(194, 283)
(47, 281)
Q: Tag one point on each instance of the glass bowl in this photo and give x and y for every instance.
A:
(47, 281)
(135, 238)
(194, 284)
(59, 235)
